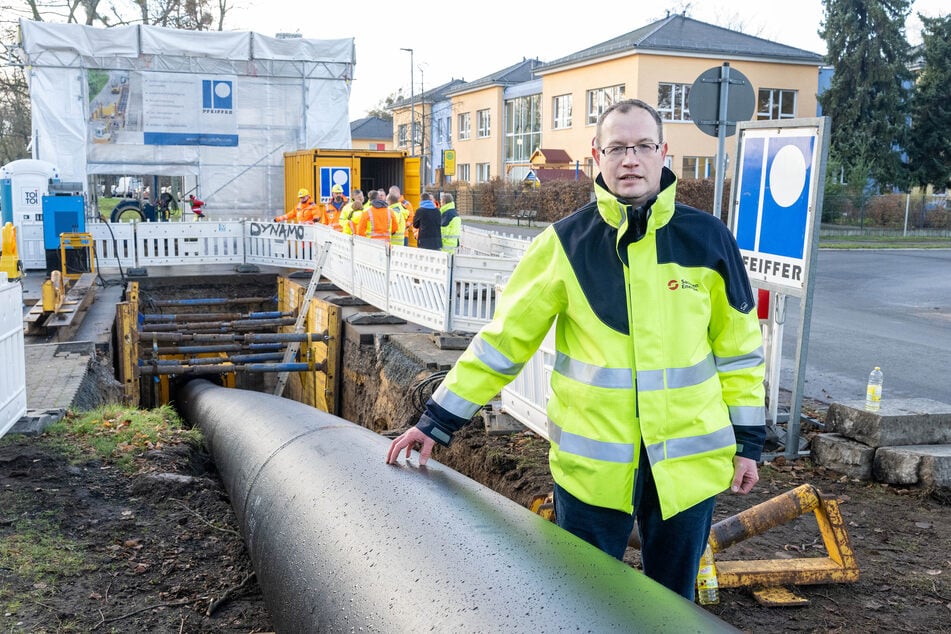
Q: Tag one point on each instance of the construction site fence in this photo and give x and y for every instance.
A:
(13, 377)
(451, 292)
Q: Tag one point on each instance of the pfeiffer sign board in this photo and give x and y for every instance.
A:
(777, 197)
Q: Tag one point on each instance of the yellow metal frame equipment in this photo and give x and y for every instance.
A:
(840, 565)
(76, 241)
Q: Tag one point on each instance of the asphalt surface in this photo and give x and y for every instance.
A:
(870, 307)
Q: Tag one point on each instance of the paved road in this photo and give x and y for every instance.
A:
(884, 307)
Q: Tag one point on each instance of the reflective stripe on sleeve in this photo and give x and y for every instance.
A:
(748, 416)
(455, 404)
(590, 448)
(490, 356)
(741, 362)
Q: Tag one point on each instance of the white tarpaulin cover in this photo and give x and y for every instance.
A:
(224, 106)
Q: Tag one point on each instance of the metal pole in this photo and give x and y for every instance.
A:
(722, 125)
(412, 106)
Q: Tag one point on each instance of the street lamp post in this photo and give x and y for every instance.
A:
(412, 106)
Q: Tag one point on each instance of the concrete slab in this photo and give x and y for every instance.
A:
(844, 455)
(923, 465)
(917, 421)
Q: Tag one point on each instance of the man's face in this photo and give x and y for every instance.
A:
(338, 197)
(634, 178)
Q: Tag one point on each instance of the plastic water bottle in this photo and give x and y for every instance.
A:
(708, 589)
(873, 392)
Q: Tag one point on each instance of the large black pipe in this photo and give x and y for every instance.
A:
(341, 541)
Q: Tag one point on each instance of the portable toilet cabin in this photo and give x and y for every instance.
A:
(23, 184)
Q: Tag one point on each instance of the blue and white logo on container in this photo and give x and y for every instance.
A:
(217, 95)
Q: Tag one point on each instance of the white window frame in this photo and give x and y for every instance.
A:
(483, 172)
(483, 123)
(704, 167)
(776, 102)
(561, 112)
(672, 106)
(600, 99)
(462, 172)
(465, 126)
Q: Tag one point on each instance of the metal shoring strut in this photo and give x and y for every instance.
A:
(293, 347)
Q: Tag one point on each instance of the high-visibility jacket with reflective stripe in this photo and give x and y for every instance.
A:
(657, 347)
(451, 226)
(399, 212)
(377, 223)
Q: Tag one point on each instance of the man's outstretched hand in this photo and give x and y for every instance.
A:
(408, 440)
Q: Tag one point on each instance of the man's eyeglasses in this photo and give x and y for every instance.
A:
(617, 151)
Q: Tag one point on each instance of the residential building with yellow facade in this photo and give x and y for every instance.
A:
(501, 120)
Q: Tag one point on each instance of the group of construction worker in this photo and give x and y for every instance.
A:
(383, 215)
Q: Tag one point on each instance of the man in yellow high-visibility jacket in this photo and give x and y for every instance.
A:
(657, 398)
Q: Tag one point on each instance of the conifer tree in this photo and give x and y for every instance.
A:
(929, 145)
(868, 96)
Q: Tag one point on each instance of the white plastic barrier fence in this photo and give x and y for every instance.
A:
(472, 295)
(338, 266)
(419, 286)
(159, 243)
(114, 243)
(475, 241)
(279, 244)
(13, 376)
(371, 269)
(507, 246)
(526, 398)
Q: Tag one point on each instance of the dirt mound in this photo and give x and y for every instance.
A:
(84, 547)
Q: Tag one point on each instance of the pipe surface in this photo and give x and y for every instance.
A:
(341, 541)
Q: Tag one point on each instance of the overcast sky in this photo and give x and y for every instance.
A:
(449, 43)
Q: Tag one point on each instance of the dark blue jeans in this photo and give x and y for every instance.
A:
(670, 549)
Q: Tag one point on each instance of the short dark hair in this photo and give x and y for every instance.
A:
(425, 196)
(626, 106)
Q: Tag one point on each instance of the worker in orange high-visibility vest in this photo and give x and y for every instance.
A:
(334, 208)
(378, 221)
(306, 212)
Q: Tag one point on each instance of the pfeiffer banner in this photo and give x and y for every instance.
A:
(775, 215)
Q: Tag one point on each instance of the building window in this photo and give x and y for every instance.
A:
(438, 130)
(483, 123)
(561, 112)
(523, 127)
(402, 137)
(672, 102)
(774, 103)
(482, 172)
(698, 167)
(464, 126)
(462, 172)
(448, 136)
(600, 99)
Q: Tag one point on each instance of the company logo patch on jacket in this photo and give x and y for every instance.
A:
(686, 285)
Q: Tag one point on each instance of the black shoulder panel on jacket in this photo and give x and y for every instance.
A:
(694, 238)
(589, 244)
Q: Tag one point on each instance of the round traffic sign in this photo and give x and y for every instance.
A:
(704, 99)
